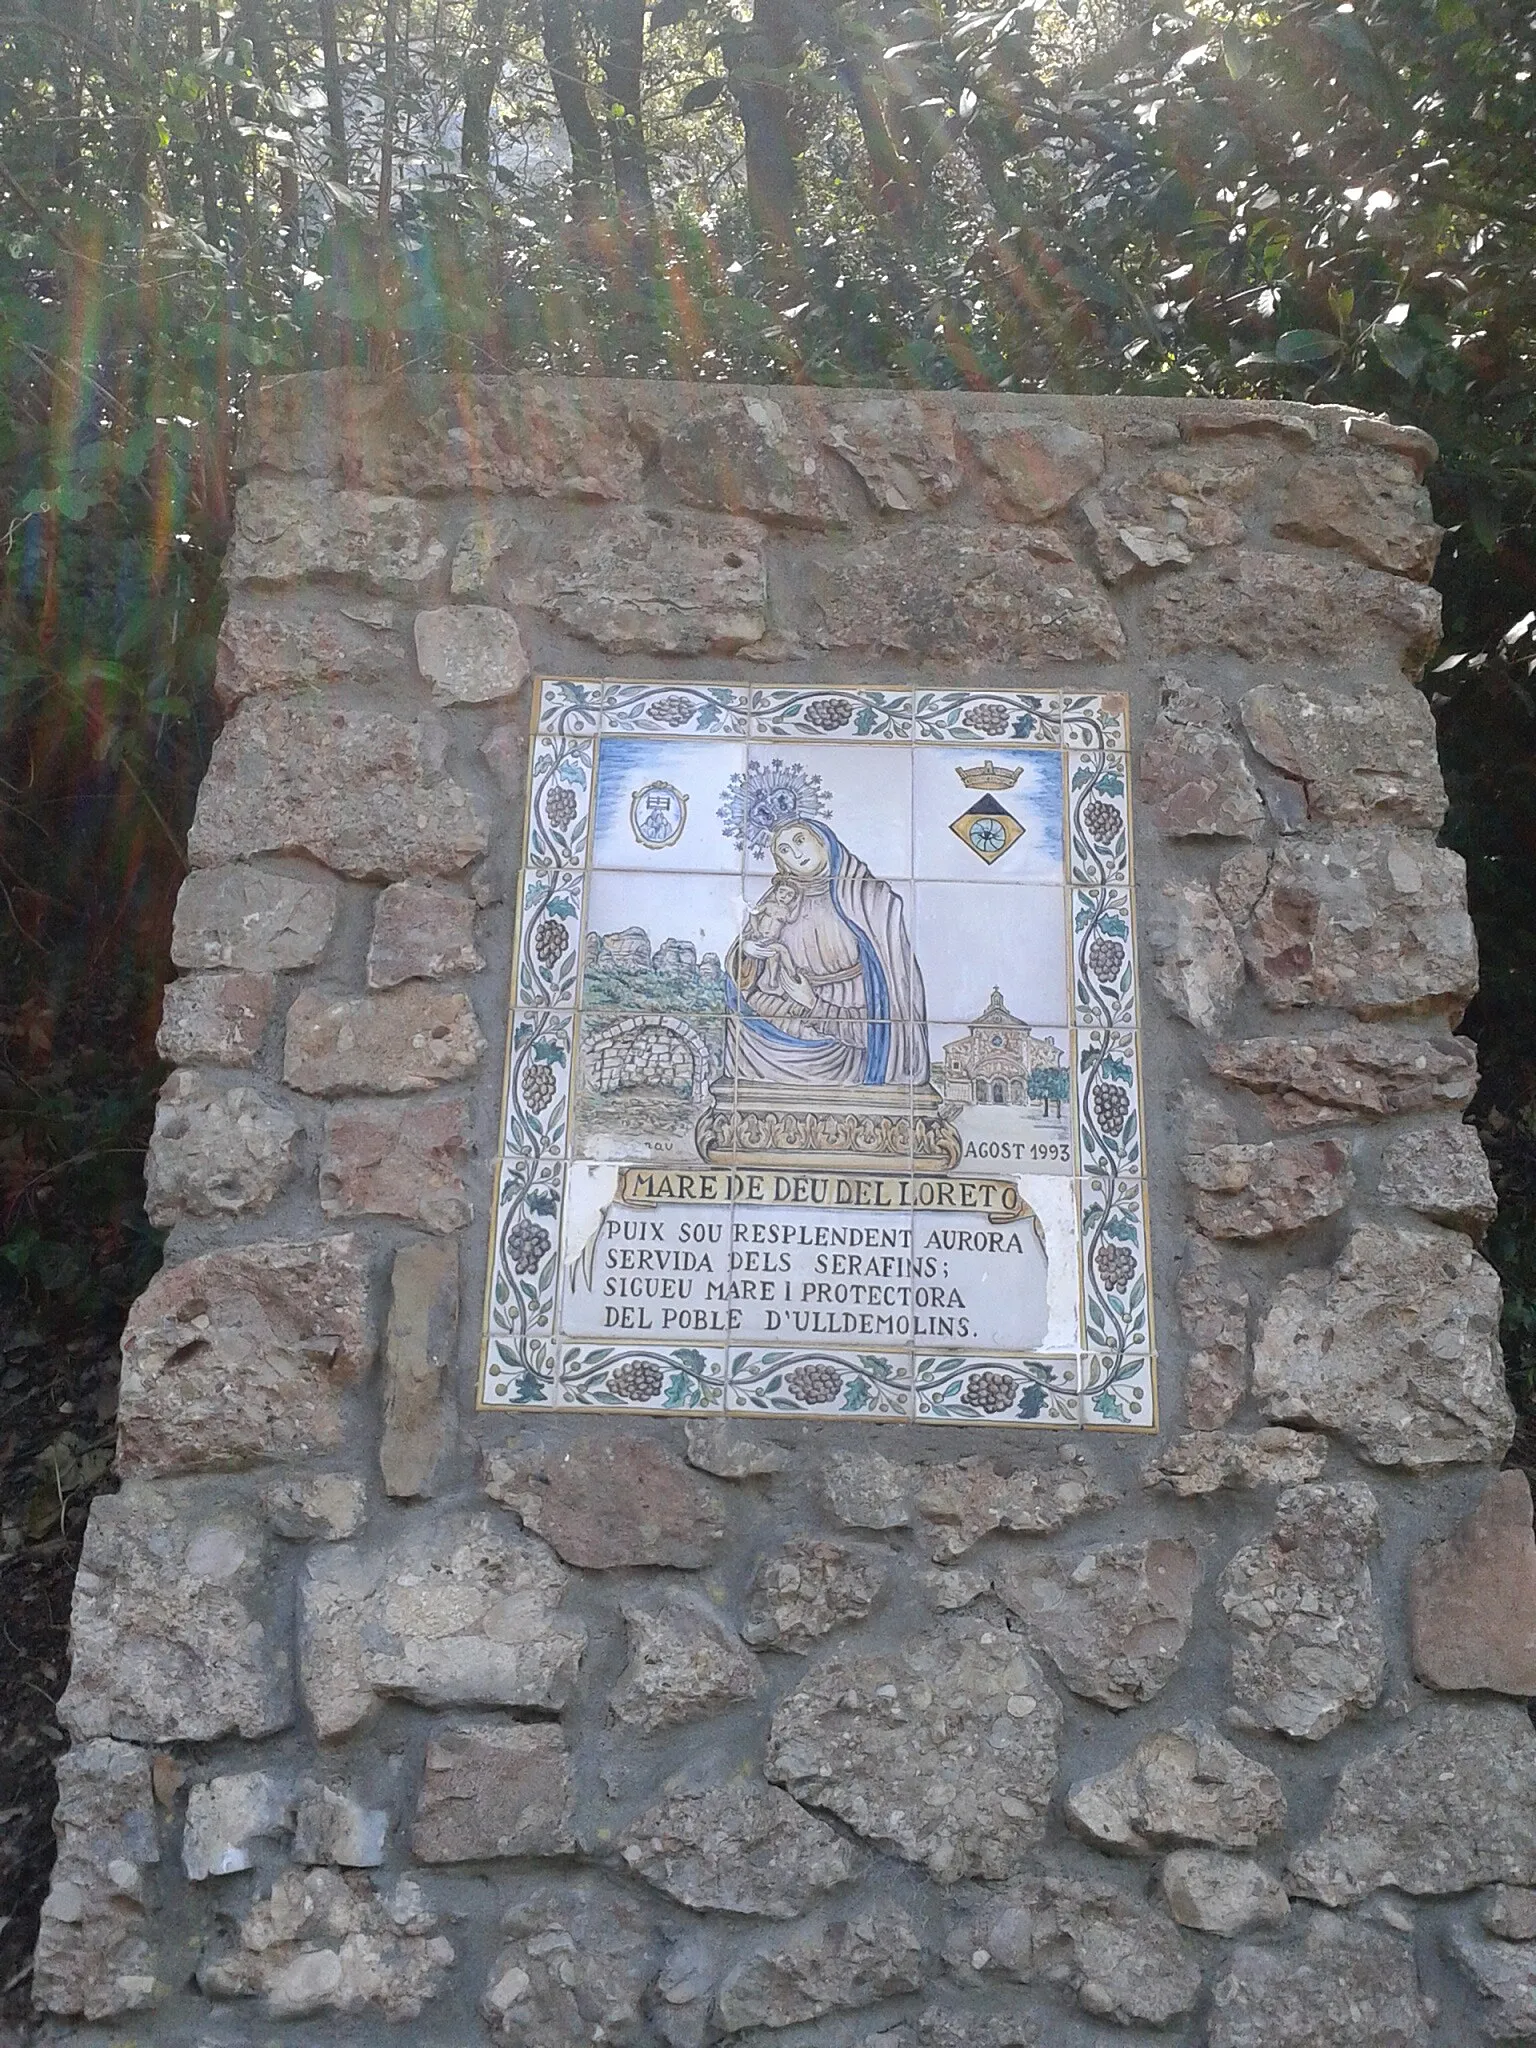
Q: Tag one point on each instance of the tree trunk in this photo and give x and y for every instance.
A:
(335, 105)
(254, 20)
(758, 59)
(387, 120)
(568, 77)
(482, 74)
(202, 121)
(623, 61)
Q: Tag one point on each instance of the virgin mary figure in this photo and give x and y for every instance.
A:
(826, 1045)
(823, 985)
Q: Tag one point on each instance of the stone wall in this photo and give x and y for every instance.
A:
(388, 1716)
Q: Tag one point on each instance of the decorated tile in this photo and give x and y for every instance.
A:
(815, 710)
(538, 1084)
(866, 1386)
(1097, 819)
(822, 1080)
(569, 705)
(548, 956)
(1109, 1114)
(560, 801)
(641, 1380)
(996, 1388)
(1031, 717)
(704, 708)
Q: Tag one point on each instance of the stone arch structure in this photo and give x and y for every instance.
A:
(649, 1051)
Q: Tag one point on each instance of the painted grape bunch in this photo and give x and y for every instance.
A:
(636, 1380)
(988, 718)
(814, 1383)
(1111, 1105)
(538, 1086)
(1116, 1266)
(828, 714)
(526, 1245)
(550, 941)
(672, 710)
(1101, 819)
(560, 807)
(994, 1393)
(1105, 957)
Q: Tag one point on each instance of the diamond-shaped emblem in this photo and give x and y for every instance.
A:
(987, 829)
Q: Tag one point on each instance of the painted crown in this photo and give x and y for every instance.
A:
(989, 776)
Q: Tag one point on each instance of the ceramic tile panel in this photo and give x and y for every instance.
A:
(822, 1090)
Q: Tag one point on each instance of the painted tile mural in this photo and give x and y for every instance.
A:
(822, 1092)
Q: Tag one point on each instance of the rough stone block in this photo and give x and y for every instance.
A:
(1442, 1171)
(1127, 1962)
(393, 1042)
(608, 1504)
(1286, 608)
(1221, 1894)
(457, 1613)
(1394, 1348)
(215, 1151)
(471, 654)
(1367, 1070)
(225, 1815)
(1509, 1913)
(1197, 964)
(327, 1943)
(1268, 1190)
(398, 1159)
(811, 1587)
(287, 528)
(271, 643)
(900, 447)
(1161, 517)
(435, 434)
(1039, 465)
(1373, 922)
(421, 934)
(969, 1499)
(316, 1507)
(1472, 1597)
(252, 920)
(1194, 774)
(744, 1847)
(243, 1354)
(942, 1751)
(1359, 760)
(822, 1967)
(1213, 1314)
(1370, 504)
(168, 1636)
(654, 583)
(494, 1789)
(362, 792)
(968, 594)
(1349, 1986)
(683, 1663)
(93, 1958)
(1448, 1805)
(730, 1452)
(216, 1020)
(332, 1827)
(1307, 1644)
(753, 452)
(1182, 1787)
(1210, 1461)
(579, 1956)
(865, 1491)
(1503, 1976)
(1114, 1623)
(418, 1350)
